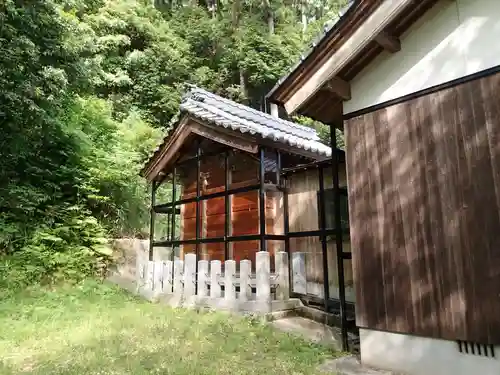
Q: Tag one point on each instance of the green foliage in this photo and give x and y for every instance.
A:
(322, 130)
(70, 244)
(97, 328)
(88, 88)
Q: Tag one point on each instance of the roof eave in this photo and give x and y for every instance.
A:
(274, 94)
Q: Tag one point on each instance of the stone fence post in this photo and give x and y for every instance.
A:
(203, 278)
(215, 271)
(282, 275)
(263, 276)
(230, 281)
(299, 282)
(189, 278)
(245, 287)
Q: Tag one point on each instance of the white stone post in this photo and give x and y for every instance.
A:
(168, 276)
(140, 268)
(158, 277)
(299, 273)
(215, 271)
(245, 271)
(282, 273)
(230, 281)
(150, 269)
(203, 278)
(263, 276)
(189, 276)
(178, 272)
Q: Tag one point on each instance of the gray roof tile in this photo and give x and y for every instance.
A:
(226, 113)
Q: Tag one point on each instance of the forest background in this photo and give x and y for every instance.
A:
(88, 88)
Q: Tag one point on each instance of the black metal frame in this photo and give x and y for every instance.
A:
(281, 175)
(170, 207)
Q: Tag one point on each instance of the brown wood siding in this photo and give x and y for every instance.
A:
(303, 216)
(424, 193)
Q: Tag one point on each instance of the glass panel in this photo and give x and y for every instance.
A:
(333, 273)
(270, 167)
(244, 170)
(212, 251)
(213, 214)
(162, 227)
(187, 222)
(185, 249)
(329, 205)
(162, 253)
(164, 192)
(328, 176)
(186, 177)
(212, 174)
(303, 201)
(245, 250)
(307, 266)
(275, 223)
(245, 213)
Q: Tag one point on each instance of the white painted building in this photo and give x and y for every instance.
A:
(416, 86)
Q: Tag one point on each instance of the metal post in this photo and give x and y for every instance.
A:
(152, 219)
(322, 227)
(338, 236)
(198, 151)
(226, 205)
(262, 201)
(286, 231)
(172, 219)
(278, 167)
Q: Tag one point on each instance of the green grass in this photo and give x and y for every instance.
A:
(95, 328)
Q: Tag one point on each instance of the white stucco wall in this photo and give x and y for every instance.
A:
(422, 356)
(452, 40)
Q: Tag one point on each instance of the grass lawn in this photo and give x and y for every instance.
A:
(95, 328)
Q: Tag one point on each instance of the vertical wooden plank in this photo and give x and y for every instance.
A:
(401, 160)
(428, 210)
(465, 138)
(357, 182)
(441, 173)
(490, 90)
(381, 174)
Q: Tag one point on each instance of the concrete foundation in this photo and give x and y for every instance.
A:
(414, 355)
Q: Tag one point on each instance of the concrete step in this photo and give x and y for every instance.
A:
(310, 330)
(350, 365)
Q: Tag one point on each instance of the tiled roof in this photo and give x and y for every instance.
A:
(216, 110)
(228, 114)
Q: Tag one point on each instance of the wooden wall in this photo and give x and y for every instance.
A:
(303, 216)
(424, 193)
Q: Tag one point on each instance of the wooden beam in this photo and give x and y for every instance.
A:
(225, 137)
(339, 87)
(387, 11)
(389, 42)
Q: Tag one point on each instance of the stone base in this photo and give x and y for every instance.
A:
(311, 331)
(414, 355)
(350, 365)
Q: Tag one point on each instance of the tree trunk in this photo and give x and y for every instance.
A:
(270, 16)
(303, 10)
(243, 86)
(235, 14)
